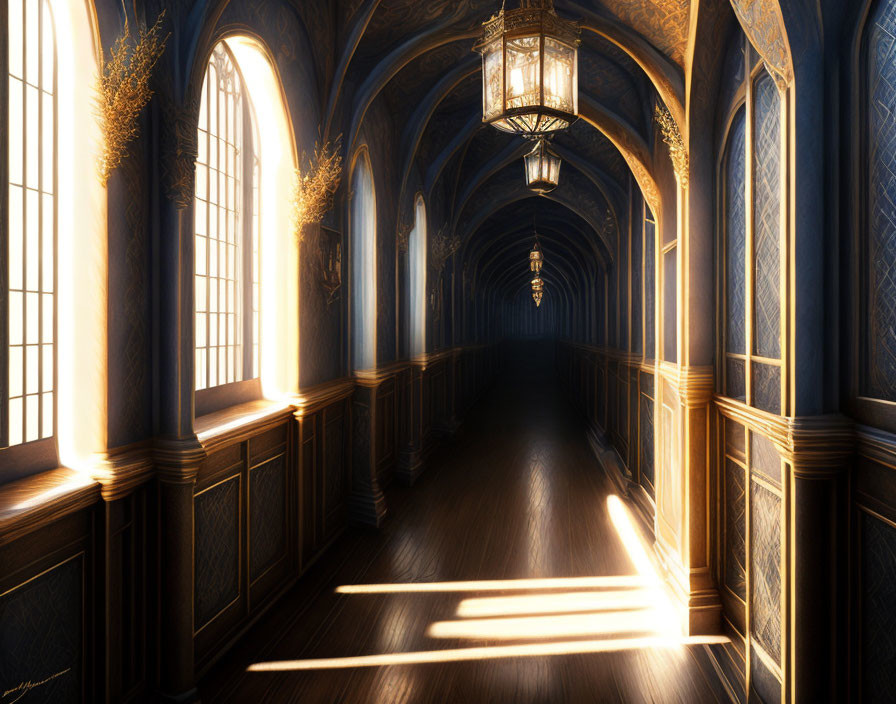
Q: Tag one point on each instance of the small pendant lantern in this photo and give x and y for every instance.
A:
(542, 168)
(530, 69)
(536, 261)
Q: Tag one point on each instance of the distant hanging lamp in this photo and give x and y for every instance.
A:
(536, 261)
(542, 168)
(530, 71)
(536, 258)
(537, 290)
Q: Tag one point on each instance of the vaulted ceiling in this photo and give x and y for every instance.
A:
(416, 57)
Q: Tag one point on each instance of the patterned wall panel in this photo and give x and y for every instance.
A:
(637, 298)
(880, 256)
(732, 70)
(767, 387)
(267, 514)
(735, 529)
(763, 681)
(764, 458)
(217, 575)
(41, 636)
(670, 306)
(649, 290)
(735, 236)
(767, 214)
(336, 487)
(647, 436)
(878, 616)
(735, 379)
(765, 569)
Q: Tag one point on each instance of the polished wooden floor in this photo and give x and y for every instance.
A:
(515, 495)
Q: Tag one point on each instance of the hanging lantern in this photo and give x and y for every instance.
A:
(542, 168)
(530, 82)
(537, 290)
(536, 259)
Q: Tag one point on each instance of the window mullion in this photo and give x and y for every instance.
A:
(4, 236)
(247, 162)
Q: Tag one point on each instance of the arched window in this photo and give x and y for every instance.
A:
(226, 220)
(878, 299)
(30, 233)
(363, 239)
(417, 257)
(52, 223)
(751, 241)
(245, 249)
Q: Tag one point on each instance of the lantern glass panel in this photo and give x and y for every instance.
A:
(523, 72)
(560, 76)
(493, 84)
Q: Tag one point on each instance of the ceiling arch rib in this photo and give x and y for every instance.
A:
(610, 190)
(421, 117)
(389, 67)
(506, 195)
(478, 259)
(514, 243)
(364, 15)
(556, 216)
(666, 76)
(633, 149)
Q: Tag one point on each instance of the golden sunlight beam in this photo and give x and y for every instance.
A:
(499, 585)
(484, 653)
(564, 603)
(552, 626)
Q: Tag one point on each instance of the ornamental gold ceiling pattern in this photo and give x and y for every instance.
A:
(663, 22)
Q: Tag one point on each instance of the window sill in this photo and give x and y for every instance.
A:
(35, 501)
(239, 422)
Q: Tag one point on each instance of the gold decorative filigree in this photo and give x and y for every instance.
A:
(764, 26)
(442, 248)
(678, 152)
(124, 90)
(403, 237)
(180, 149)
(317, 180)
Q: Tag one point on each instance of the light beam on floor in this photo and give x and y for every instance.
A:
(483, 653)
(496, 585)
(575, 615)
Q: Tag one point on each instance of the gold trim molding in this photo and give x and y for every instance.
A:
(764, 26)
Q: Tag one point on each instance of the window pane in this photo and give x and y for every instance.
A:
(16, 135)
(16, 29)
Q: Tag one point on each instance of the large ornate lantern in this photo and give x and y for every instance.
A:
(530, 82)
(542, 168)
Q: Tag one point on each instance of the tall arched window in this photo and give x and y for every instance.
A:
(751, 246)
(226, 220)
(245, 249)
(417, 257)
(52, 239)
(363, 239)
(878, 302)
(29, 411)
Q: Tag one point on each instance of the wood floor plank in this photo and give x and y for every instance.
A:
(516, 495)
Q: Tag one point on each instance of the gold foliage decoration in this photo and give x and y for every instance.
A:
(317, 180)
(124, 90)
(443, 247)
(672, 137)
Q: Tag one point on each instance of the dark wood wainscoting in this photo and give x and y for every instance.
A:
(133, 582)
(614, 391)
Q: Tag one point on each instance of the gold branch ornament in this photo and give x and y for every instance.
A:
(124, 90)
(443, 247)
(677, 150)
(317, 180)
